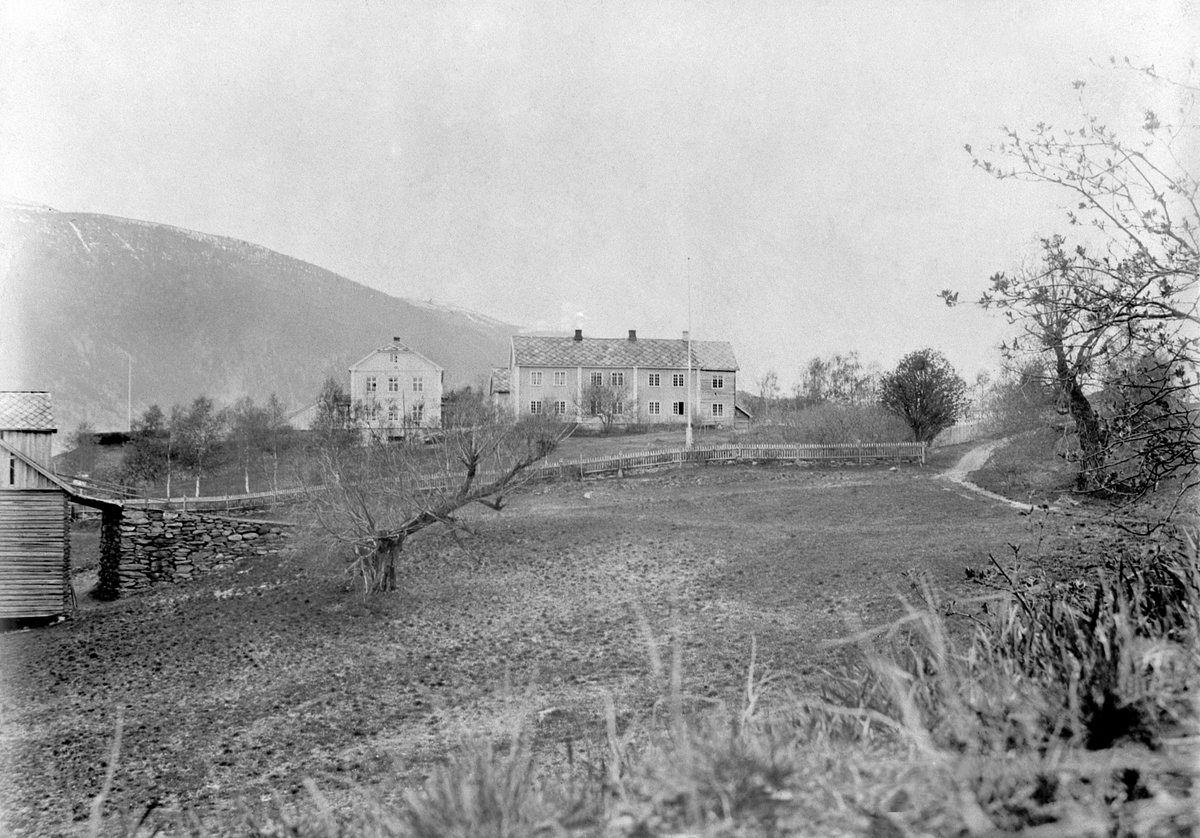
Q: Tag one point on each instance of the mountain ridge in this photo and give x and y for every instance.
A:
(85, 297)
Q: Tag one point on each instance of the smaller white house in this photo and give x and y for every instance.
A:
(396, 390)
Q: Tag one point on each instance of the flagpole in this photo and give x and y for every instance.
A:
(687, 439)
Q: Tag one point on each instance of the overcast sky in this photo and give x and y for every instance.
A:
(562, 165)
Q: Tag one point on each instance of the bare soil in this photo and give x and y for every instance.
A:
(239, 685)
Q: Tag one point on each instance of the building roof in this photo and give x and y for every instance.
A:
(26, 411)
(620, 352)
(395, 346)
(501, 380)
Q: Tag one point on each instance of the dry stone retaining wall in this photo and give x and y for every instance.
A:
(162, 545)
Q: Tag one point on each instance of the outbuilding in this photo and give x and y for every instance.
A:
(35, 541)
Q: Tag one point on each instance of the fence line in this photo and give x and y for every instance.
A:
(962, 432)
(743, 452)
(583, 467)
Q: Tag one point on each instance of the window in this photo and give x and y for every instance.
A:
(676, 379)
(598, 379)
(12, 471)
(560, 379)
(535, 407)
(718, 409)
(676, 408)
(616, 379)
(417, 412)
(418, 384)
(535, 377)
(393, 384)
(372, 384)
(654, 379)
(395, 357)
(393, 412)
(618, 407)
(654, 408)
(718, 383)
(560, 408)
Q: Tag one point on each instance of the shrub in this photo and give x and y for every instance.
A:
(831, 424)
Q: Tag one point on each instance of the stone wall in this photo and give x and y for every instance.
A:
(159, 545)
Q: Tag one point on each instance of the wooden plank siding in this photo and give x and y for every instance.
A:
(34, 553)
(16, 474)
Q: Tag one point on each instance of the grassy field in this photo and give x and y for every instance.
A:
(244, 683)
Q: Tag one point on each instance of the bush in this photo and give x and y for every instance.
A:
(832, 424)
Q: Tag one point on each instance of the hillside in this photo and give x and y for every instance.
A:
(82, 294)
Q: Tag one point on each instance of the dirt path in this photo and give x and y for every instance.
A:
(974, 460)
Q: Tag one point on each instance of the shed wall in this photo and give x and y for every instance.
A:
(34, 553)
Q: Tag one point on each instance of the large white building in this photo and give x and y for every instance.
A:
(396, 390)
(552, 376)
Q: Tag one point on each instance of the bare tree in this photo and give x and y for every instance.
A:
(248, 432)
(838, 378)
(768, 395)
(199, 430)
(1123, 287)
(606, 401)
(365, 501)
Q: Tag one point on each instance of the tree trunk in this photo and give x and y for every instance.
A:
(384, 564)
(1092, 439)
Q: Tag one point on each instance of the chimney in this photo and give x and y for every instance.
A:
(685, 335)
(395, 340)
(632, 335)
(579, 334)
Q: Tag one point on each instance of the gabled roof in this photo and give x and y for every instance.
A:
(534, 351)
(26, 411)
(501, 380)
(394, 347)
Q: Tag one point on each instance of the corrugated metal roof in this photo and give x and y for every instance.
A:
(26, 411)
(618, 352)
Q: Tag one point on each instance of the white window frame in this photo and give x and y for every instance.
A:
(418, 383)
(395, 357)
(535, 377)
(417, 412)
(393, 384)
(616, 379)
(654, 408)
(560, 408)
(718, 382)
(597, 379)
(677, 379)
(560, 379)
(718, 409)
(678, 408)
(535, 407)
(372, 384)
(654, 379)
(393, 413)
(618, 408)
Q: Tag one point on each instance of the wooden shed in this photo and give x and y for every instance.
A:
(34, 524)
